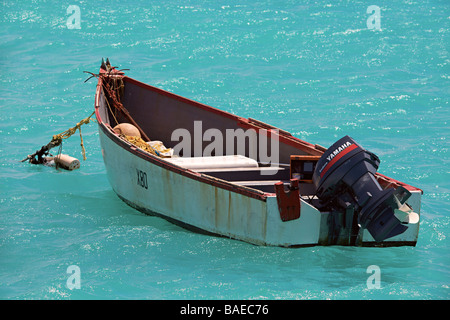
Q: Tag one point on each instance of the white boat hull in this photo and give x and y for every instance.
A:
(256, 211)
(208, 208)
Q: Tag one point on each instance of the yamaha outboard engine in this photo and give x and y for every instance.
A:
(345, 178)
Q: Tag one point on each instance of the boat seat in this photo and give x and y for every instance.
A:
(269, 186)
(265, 186)
(247, 174)
(219, 162)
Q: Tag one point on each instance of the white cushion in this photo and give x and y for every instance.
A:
(234, 161)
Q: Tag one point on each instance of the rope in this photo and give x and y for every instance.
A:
(57, 141)
(69, 132)
(109, 107)
(140, 143)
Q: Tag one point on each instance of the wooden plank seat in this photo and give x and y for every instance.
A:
(248, 174)
(264, 185)
(269, 186)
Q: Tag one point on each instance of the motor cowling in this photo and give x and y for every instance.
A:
(345, 177)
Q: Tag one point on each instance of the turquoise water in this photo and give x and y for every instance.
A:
(313, 68)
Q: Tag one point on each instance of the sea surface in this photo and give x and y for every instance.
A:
(318, 69)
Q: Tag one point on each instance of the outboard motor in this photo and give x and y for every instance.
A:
(345, 178)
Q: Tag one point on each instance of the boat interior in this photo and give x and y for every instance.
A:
(256, 161)
(245, 152)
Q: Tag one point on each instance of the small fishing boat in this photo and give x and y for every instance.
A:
(213, 172)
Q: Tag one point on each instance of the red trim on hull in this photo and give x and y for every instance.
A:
(385, 181)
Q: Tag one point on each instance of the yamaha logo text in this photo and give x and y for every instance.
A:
(338, 150)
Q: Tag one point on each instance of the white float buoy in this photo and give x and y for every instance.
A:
(67, 162)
